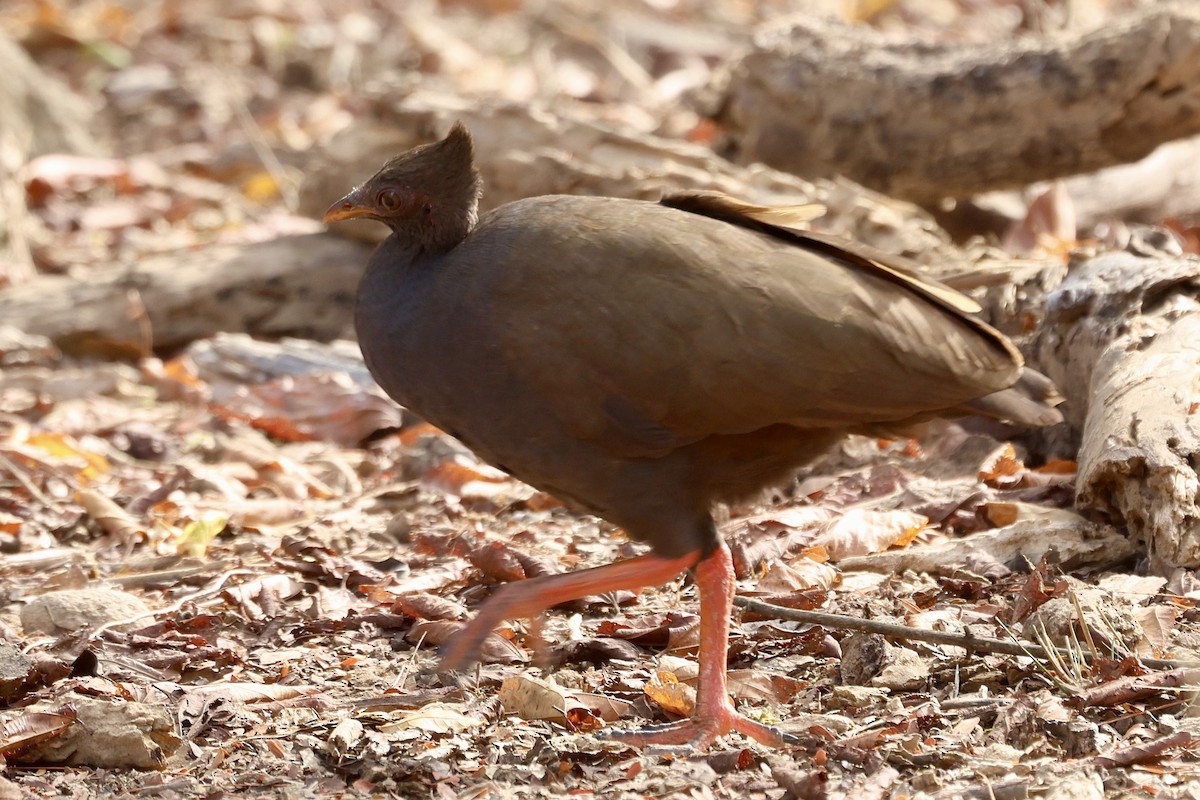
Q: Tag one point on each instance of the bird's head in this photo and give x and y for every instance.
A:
(428, 195)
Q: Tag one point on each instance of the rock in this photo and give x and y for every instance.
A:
(72, 609)
(14, 670)
(109, 734)
(12, 791)
(869, 660)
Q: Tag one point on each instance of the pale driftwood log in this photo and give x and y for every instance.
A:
(295, 285)
(523, 152)
(1077, 542)
(1163, 185)
(230, 359)
(1122, 340)
(925, 120)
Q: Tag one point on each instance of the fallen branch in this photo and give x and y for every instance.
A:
(1121, 339)
(924, 120)
(964, 640)
(295, 285)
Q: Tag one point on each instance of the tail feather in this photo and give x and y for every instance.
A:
(1030, 401)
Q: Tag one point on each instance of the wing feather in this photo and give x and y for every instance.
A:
(704, 320)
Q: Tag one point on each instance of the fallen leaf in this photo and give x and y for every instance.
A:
(32, 728)
(670, 694)
(761, 686)
(199, 534)
(89, 465)
(798, 576)
(537, 699)
(860, 532)
(495, 649)
(435, 718)
(1157, 623)
(112, 519)
(422, 605)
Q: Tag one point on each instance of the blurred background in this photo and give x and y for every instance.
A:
(197, 122)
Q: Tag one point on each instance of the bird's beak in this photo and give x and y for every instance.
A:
(348, 207)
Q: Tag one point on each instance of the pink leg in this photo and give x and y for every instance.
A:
(714, 714)
(524, 599)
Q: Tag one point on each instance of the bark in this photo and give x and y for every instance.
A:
(924, 120)
(1122, 340)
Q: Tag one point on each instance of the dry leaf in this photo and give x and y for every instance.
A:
(326, 406)
(1001, 514)
(497, 561)
(1002, 469)
(435, 718)
(198, 535)
(670, 694)
(494, 650)
(760, 686)
(89, 466)
(798, 576)
(1157, 624)
(111, 518)
(32, 728)
(10, 523)
(346, 735)
(1049, 225)
(462, 480)
(428, 606)
(860, 532)
(536, 699)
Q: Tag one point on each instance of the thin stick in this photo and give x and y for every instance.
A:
(30, 487)
(967, 640)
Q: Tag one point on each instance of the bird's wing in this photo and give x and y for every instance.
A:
(647, 334)
(787, 223)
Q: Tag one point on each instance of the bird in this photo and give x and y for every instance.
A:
(648, 361)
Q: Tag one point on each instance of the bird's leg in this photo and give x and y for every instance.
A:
(714, 714)
(524, 599)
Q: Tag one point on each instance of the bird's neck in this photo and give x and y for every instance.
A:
(391, 294)
(437, 232)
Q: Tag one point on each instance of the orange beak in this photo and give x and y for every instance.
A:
(349, 207)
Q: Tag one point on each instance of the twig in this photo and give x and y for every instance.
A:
(22, 479)
(270, 161)
(1141, 753)
(164, 576)
(214, 587)
(15, 211)
(966, 640)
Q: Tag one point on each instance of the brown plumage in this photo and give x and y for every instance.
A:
(647, 360)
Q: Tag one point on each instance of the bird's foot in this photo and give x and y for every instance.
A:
(699, 732)
(462, 649)
(528, 598)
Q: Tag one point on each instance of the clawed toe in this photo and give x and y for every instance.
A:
(697, 734)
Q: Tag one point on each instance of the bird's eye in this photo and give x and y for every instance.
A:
(388, 200)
